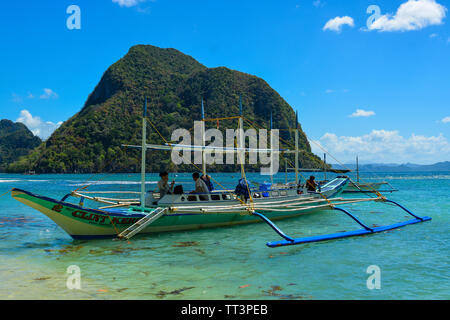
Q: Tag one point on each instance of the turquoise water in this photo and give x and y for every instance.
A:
(230, 263)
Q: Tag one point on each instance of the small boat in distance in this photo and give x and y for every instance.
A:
(355, 187)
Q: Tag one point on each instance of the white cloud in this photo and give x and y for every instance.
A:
(361, 113)
(446, 120)
(16, 98)
(48, 93)
(127, 3)
(337, 23)
(411, 15)
(318, 3)
(36, 125)
(382, 146)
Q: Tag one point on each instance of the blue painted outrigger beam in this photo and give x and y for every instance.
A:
(344, 234)
(274, 227)
(292, 241)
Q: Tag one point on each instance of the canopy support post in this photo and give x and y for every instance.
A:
(296, 148)
(203, 140)
(241, 153)
(143, 153)
(357, 169)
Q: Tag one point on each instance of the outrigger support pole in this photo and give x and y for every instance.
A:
(291, 241)
(354, 218)
(274, 226)
(390, 201)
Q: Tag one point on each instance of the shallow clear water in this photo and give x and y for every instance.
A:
(230, 262)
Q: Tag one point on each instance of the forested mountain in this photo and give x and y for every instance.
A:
(175, 83)
(15, 141)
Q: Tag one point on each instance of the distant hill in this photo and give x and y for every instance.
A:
(408, 167)
(91, 140)
(15, 141)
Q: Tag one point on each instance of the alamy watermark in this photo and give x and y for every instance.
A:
(74, 278)
(232, 148)
(374, 280)
(74, 20)
(376, 14)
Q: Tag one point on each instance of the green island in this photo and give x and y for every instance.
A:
(174, 83)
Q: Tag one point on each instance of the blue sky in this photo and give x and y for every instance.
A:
(319, 55)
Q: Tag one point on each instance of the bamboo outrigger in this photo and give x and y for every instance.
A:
(145, 212)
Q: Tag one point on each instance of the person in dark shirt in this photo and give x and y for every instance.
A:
(311, 184)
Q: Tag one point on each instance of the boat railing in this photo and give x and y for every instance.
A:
(222, 196)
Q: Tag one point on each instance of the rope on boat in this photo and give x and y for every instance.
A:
(110, 201)
(290, 144)
(243, 170)
(113, 202)
(309, 207)
(323, 149)
(220, 119)
(112, 222)
(245, 210)
(4, 194)
(252, 124)
(112, 192)
(179, 153)
(105, 200)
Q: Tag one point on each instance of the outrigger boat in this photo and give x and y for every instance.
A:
(357, 186)
(354, 186)
(125, 217)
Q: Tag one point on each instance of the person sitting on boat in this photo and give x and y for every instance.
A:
(207, 179)
(200, 185)
(311, 184)
(242, 190)
(163, 184)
